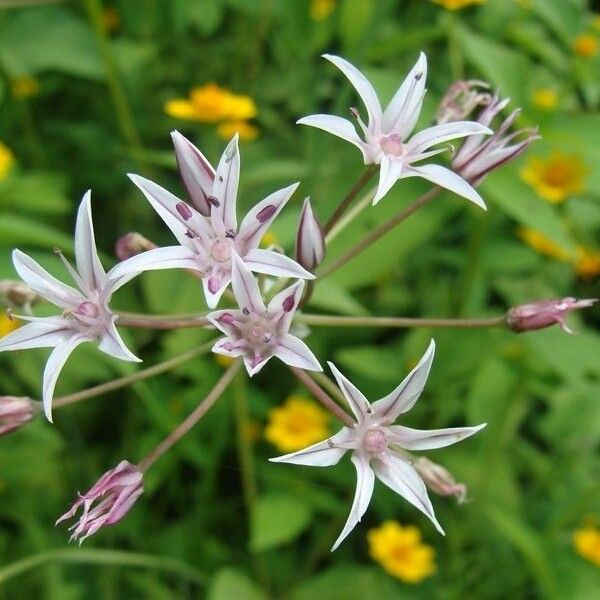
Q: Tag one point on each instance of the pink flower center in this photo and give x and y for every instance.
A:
(87, 309)
(374, 441)
(258, 332)
(220, 251)
(392, 144)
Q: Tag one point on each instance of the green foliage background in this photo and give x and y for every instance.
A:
(532, 474)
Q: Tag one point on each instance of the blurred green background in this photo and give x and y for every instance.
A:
(83, 85)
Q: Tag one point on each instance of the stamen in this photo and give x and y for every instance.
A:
(74, 274)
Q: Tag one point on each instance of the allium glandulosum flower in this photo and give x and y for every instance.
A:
(321, 9)
(545, 99)
(246, 131)
(387, 134)
(400, 551)
(458, 4)
(296, 424)
(7, 160)
(86, 315)
(586, 45)
(15, 412)
(24, 87)
(555, 177)
(211, 104)
(107, 502)
(587, 543)
(544, 313)
(378, 445)
(257, 332)
(208, 243)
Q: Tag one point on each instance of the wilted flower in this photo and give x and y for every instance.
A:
(310, 239)
(400, 551)
(387, 133)
(17, 294)
(7, 160)
(478, 155)
(377, 444)
(461, 99)
(440, 480)
(246, 131)
(107, 502)
(586, 45)
(15, 412)
(258, 332)
(587, 543)
(207, 244)
(132, 244)
(555, 177)
(86, 317)
(544, 313)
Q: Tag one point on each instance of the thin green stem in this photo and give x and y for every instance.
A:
(122, 382)
(161, 321)
(379, 232)
(102, 557)
(191, 419)
(400, 322)
(363, 203)
(347, 200)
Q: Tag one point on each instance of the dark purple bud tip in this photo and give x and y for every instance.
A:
(288, 304)
(213, 285)
(184, 210)
(213, 201)
(418, 76)
(266, 213)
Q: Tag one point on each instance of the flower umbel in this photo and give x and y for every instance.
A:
(15, 412)
(258, 332)
(378, 446)
(207, 244)
(387, 134)
(86, 314)
(107, 502)
(400, 551)
(296, 424)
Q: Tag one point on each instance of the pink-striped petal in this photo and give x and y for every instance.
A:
(112, 344)
(42, 332)
(170, 257)
(214, 288)
(358, 403)
(438, 134)
(337, 126)
(322, 454)
(389, 173)
(245, 287)
(295, 353)
(273, 263)
(423, 439)
(225, 187)
(285, 304)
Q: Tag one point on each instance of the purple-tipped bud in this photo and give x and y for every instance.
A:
(16, 293)
(310, 239)
(461, 99)
(107, 502)
(440, 480)
(544, 313)
(16, 412)
(132, 244)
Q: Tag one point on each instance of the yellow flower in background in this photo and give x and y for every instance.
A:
(211, 104)
(24, 87)
(400, 551)
(587, 543)
(300, 422)
(269, 239)
(586, 45)
(457, 4)
(556, 177)
(586, 262)
(321, 9)
(7, 160)
(8, 324)
(545, 99)
(596, 22)
(245, 130)
(223, 361)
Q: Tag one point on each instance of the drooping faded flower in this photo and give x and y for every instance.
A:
(207, 244)
(461, 99)
(107, 502)
(439, 480)
(387, 134)
(478, 155)
(257, 332)
(377, 445)
(15, 412)
(545, 313)
(86, 314)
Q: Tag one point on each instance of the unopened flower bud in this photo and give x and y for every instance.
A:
(440, 480)
(310, 239)
(17, 293)
(16, 412)
(132, 244)
(107, 502)
(461, 99)
(544, 313)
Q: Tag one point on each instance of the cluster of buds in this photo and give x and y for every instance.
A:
(132, 244)
(461, 99)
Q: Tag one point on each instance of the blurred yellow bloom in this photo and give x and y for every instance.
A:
(587, 262)
(321, 9)
(300, 422)
(587, 543)
(223, 361)
(8, 324)
(586, 45)
(245, 130)
(7, 160)
(596, 22)
(111, 19)
(269, 239)
(458, 4)
(400, 551)
(556, 177)
(24, 87)
(545, 99)
(211, 104)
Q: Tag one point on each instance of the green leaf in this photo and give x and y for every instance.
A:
(277, 519)
(230, 584)
(15, 230)
(40, 192)
(330, 296)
